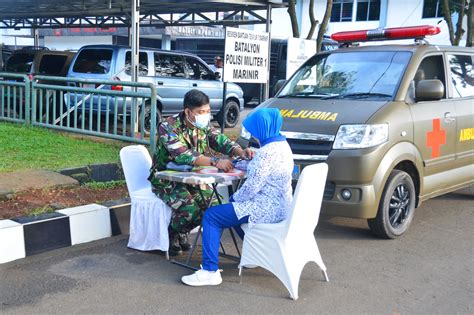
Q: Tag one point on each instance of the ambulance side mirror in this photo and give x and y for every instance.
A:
(278, 86)
(429, 90)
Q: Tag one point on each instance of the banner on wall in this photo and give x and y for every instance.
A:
(299, 50)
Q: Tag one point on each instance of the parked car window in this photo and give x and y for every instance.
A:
(20, 63)
(142, 63)
(169, 65)
(462, 75)
(52, 64)
(93, 61)
(196, 70)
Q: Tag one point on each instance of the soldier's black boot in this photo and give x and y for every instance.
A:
(175, 248)
(184, 241)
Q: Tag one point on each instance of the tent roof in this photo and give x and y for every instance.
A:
(104, 13)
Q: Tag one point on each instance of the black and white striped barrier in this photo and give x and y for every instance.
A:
(33, 235)
(22, 237)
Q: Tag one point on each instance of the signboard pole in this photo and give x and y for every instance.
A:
(223, 118)
(135, 37)
(268, 29)
(224, 92)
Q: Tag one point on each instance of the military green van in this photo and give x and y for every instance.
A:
(395, 124)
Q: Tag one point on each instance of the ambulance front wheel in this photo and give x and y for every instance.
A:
(396, 208)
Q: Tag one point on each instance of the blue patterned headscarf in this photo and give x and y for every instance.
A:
(265, 125)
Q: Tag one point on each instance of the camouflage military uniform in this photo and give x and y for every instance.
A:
(183, 145)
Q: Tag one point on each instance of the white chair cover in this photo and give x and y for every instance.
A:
(149, 216)
(284, 248)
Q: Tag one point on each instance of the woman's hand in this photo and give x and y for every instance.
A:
(225, 165)
(246, 154)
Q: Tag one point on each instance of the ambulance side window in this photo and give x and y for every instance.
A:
(431, 68)
(462, 75)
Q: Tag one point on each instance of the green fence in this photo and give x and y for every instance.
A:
(112, 109)
(15, 97)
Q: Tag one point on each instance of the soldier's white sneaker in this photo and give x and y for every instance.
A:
(203, 277)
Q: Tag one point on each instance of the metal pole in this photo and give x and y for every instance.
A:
(224, 114)
(224, 92)
(268, 30)
(135, 38)
(35, 37)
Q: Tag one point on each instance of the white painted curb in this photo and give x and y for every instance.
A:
(12, 242)
(88, 223)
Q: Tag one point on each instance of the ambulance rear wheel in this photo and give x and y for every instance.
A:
(396, 208)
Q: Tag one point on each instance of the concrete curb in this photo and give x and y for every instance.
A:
(26, 236)
(22, 237)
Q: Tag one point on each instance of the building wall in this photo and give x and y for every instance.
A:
(74, 42)
(16, 37)
(393, 14)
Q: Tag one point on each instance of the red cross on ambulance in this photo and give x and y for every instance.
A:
(436, 138)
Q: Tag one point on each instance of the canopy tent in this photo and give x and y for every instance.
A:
(35, 14)
(104, 13)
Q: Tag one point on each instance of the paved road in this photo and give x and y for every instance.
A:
(428, 271)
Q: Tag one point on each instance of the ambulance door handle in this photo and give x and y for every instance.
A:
(448, 117)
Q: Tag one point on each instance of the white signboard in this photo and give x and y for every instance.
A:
(299, 50)
(246, 56)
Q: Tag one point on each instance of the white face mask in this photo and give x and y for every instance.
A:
(202, 121)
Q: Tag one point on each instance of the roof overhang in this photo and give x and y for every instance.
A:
(106, 13)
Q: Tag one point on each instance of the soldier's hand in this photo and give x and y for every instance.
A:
(225, 165)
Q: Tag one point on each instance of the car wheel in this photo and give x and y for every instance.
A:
(231, 114)
(396, 208)
(147, 124)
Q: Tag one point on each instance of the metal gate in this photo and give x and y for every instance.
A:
(112, 109)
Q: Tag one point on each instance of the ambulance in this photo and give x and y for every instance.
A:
(395, 124)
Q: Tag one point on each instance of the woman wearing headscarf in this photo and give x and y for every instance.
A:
(265, 197)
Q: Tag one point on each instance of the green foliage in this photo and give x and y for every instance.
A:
(24, 147)
(38, 211)
(105, 185)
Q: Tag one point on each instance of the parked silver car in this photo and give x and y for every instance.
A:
(172, 72)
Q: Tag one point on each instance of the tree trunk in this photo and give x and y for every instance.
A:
(293, 18)
(449, 21)
(324, 25)
(470, 21)
(312, 20)
(459, 31)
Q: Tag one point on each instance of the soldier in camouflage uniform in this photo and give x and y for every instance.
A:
(188, 139)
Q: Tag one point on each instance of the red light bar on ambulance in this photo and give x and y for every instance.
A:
(386, 33)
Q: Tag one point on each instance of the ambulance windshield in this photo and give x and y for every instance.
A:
(351, 75)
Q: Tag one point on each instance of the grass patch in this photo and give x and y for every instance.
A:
(23, 147)
(105, 185)
(38, 211)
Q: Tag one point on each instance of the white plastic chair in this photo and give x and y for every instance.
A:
(149, 215)
(284, 248)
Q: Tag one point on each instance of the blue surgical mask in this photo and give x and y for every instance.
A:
(202, 121)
